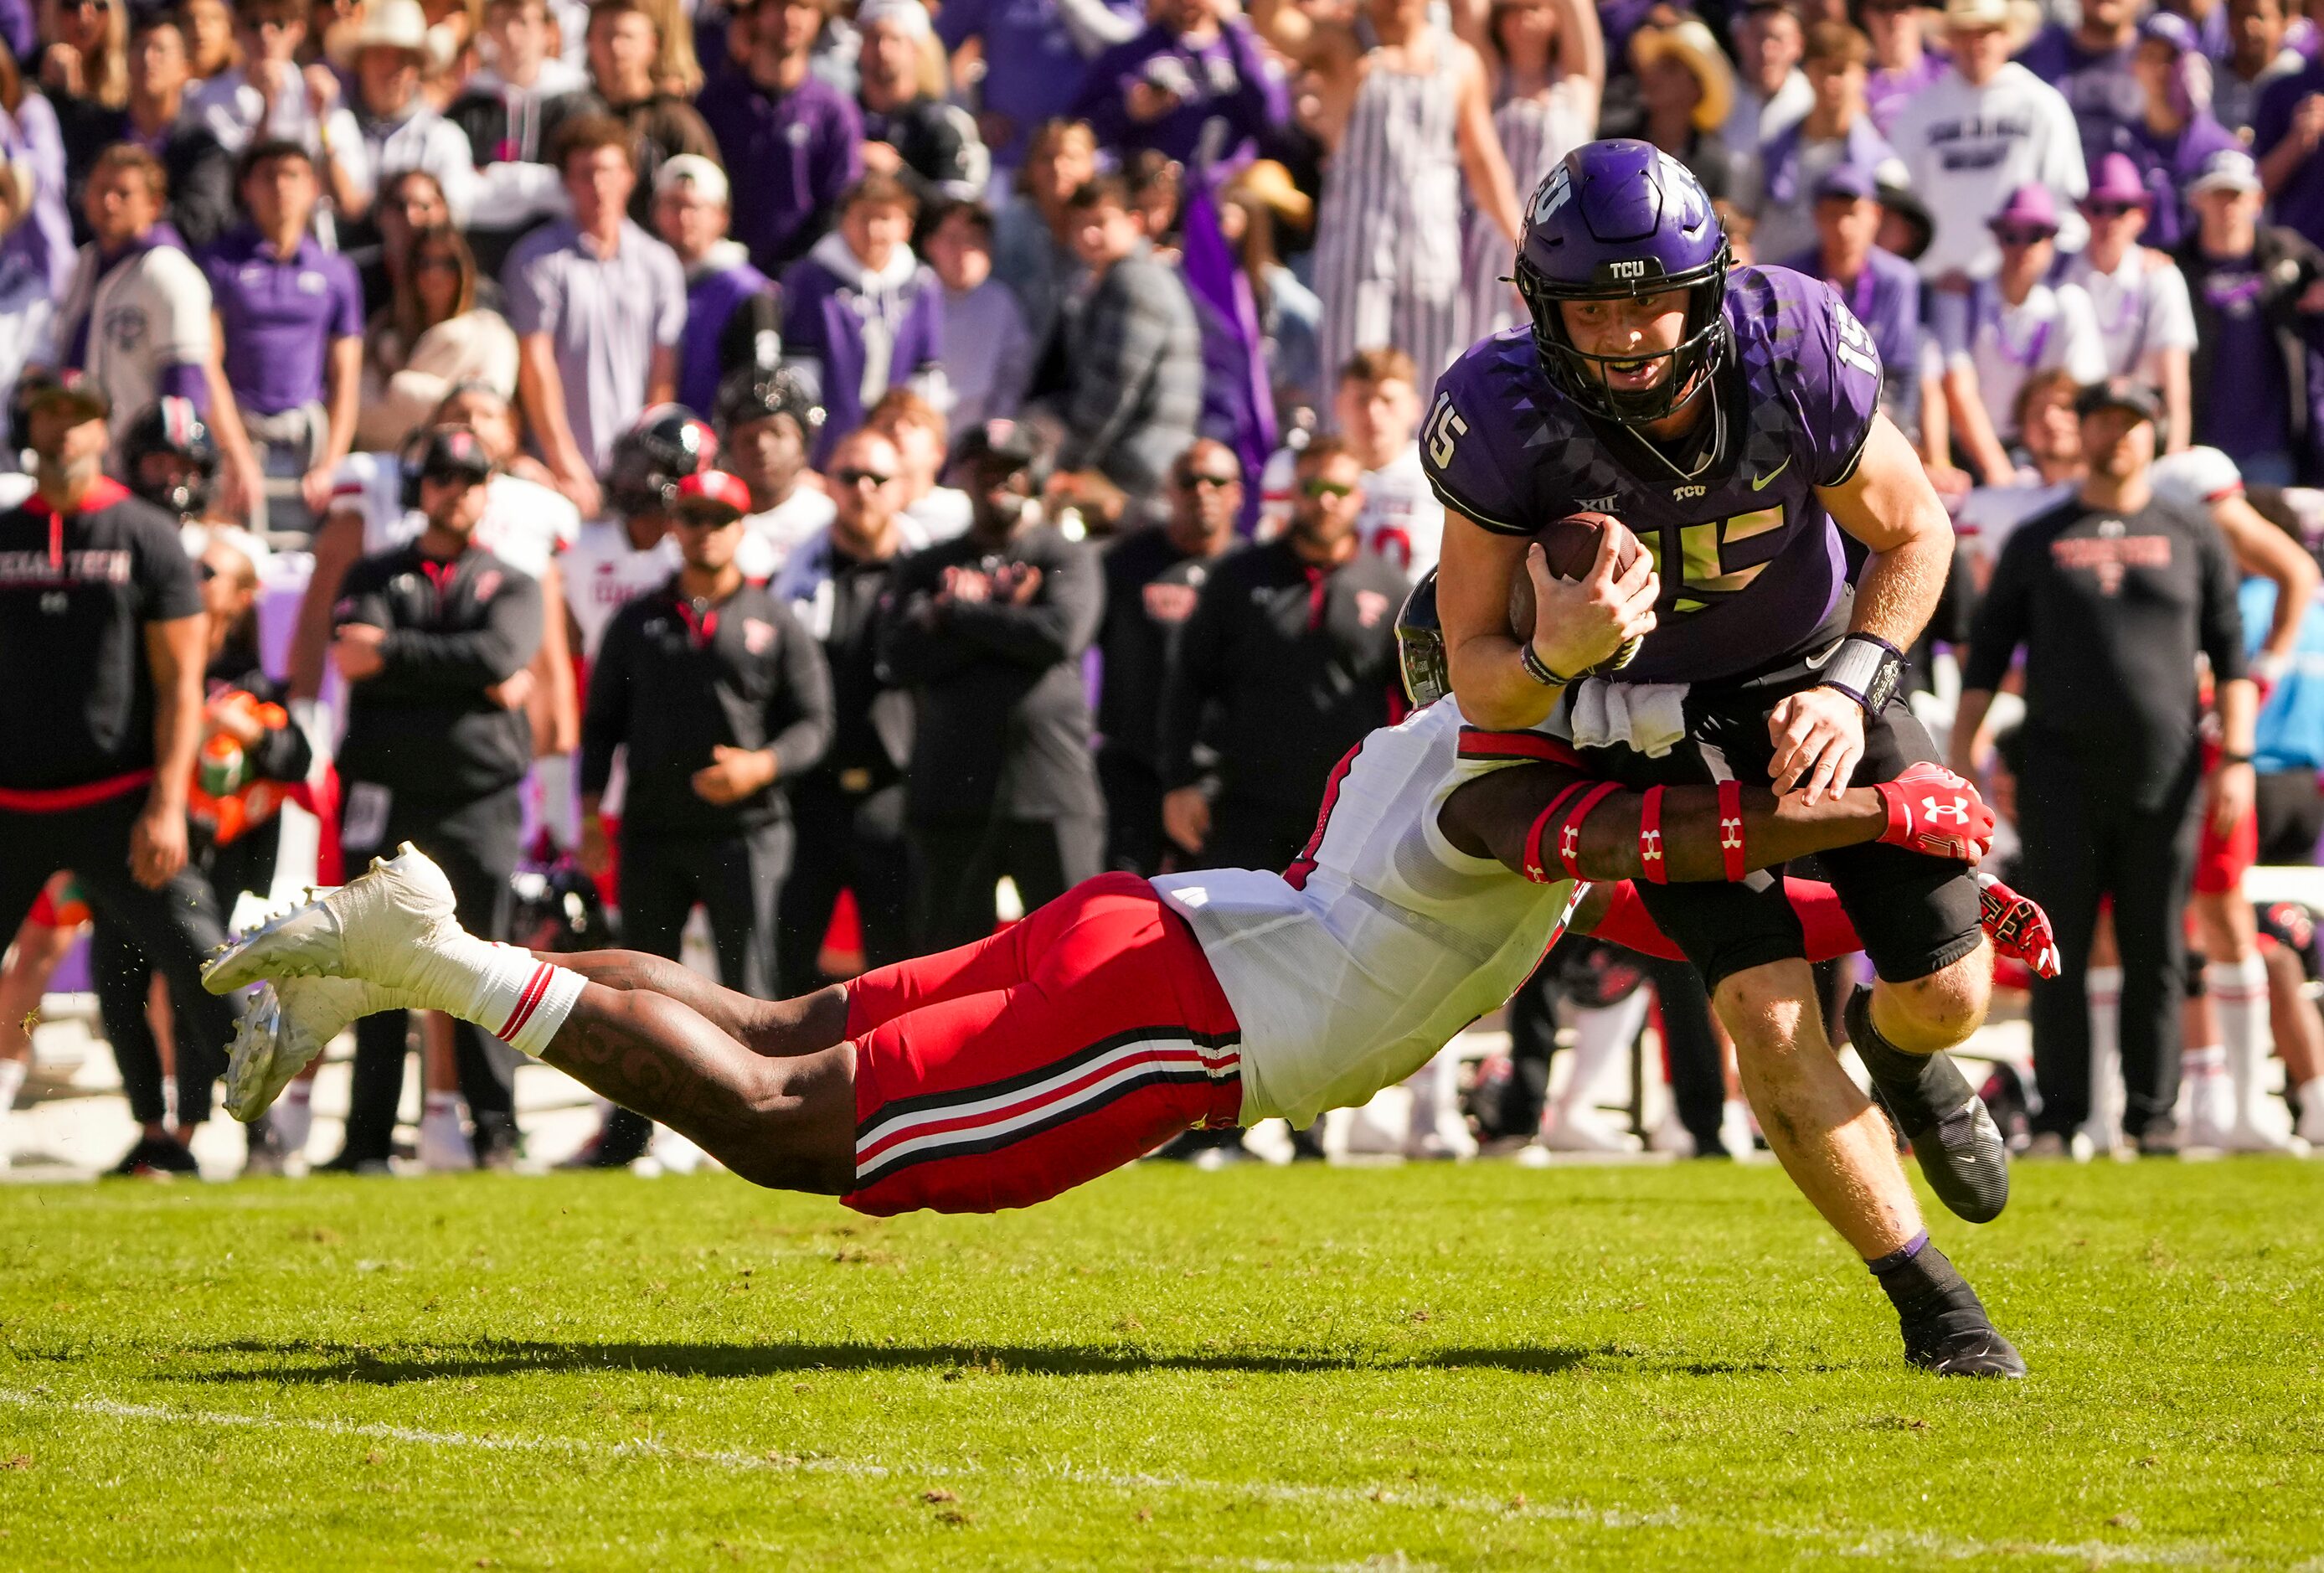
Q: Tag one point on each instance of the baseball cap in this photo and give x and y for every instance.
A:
(2168, 27)
(454, 453)
(2119, 393)
(692, 169)
(712, 494)
(84, 393)
(2030, 206)
(2116, 179)
(2227, 170)
(1008, 441)
(1850, 181)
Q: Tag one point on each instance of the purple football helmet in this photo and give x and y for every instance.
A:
(1615, 220)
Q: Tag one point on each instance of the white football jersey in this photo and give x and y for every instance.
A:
(525, 523)
(604, 573)
(1402, 520)
(1350, 971)
(769, 538)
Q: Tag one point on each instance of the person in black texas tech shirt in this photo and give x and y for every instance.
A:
(2113, 594)
(1294, 643)
(988, 631)
(1151, 580)
(850, 809)
(434, 638)
(102, 646)
(718, 694)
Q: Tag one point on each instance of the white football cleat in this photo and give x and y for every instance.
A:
(383, 925)
(1580, 1133)
(444, 1144)
(288, 1024)
(2246, 1137)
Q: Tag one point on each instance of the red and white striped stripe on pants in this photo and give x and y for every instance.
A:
(1000, 1073)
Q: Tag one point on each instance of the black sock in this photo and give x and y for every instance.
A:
(1922, 1282)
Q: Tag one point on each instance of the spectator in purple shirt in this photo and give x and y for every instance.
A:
(2257, 57)
(1883, 290)
(1036, 52)
(1195, 87)
(795, 135)
(2174, 134)
(732, 317)
(861, 313)
(1900, 67)
(290, 317)
(2089, 63)
(2286, 130)
(2257, 289)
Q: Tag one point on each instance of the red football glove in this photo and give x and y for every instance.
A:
(1933, 812)
(2017, 926)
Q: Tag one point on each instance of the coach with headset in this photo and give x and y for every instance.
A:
(433, 638)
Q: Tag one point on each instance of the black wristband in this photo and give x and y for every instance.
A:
(1867, 668)
(1539, 669)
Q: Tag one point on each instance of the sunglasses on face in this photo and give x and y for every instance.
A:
(690, 521)
(2022, 235)
(1216, 482)
(1322, 488)
(2111, 209)
(857, 477)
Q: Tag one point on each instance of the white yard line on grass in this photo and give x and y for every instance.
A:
(1869, 1543)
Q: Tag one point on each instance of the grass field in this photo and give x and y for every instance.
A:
(1479, 1366)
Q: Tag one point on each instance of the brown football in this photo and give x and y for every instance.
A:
(1571, 544)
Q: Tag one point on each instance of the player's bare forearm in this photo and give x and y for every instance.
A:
(774, 1028)
(1889, 506)
(1474, 582)
(1491, 815)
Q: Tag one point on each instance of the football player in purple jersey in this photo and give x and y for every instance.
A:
(1730, 416)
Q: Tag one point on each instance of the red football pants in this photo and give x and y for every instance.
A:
(1000, 1073)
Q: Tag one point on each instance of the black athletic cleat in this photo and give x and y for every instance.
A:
(2160, 1139)
(1961, 1341)
(1931, 1101)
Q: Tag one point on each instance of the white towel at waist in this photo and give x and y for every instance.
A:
(1649, 717)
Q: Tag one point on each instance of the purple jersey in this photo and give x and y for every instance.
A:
(1752, 567)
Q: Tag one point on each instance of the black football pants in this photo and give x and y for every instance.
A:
(177, 926)
(2082, 842)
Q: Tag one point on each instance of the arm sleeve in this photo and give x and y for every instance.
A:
(2222, 629)
(2172, 324)
(346, 301)
(1124, 341)
(361, 599)
(166, 577)
(606, 719)
(476, 659)
(1057, 625)
(805, 696)
(1261, 101)
(2001, 618)
(669, 310)
(182, 336)
(529, 307)
(1198, 652)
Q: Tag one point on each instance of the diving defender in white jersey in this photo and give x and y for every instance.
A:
(1445, 862)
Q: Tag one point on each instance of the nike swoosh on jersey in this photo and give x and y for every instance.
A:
(1759, 482)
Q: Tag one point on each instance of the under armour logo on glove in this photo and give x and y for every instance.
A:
(1936, 813)
(2017, 926)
